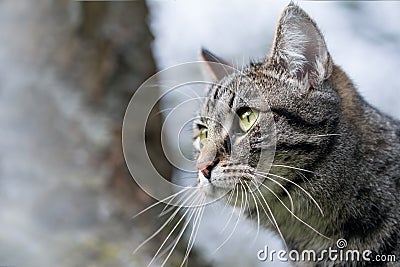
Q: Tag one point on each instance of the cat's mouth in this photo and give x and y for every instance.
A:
(222, 181)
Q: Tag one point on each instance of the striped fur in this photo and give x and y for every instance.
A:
(337, 147)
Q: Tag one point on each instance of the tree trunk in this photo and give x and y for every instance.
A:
(69, 70)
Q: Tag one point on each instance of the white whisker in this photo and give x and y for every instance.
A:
(233, 210)
(290, 167)
(263, 208)
(193, 234)
(302, 189)
(246, 203)
(171, 232)
(179, 237)
(273, 218)
(281, 186)
(234, 228)
(228, 200)
(258, 213)
(323, 135)
(294, 215)
(165, 224)
(166, 210)
(160, 202)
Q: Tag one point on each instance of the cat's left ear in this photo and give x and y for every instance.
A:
(300, 48)
(219, 67)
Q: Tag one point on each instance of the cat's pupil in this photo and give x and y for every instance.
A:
(204, 133)
(247, 117)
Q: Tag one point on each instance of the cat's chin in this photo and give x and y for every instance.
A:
(214, 189)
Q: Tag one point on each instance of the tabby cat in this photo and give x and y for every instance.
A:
(337, 158)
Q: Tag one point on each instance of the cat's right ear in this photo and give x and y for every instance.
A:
(218, 67)
(299, 47)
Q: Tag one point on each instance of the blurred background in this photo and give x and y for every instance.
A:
(67, 72)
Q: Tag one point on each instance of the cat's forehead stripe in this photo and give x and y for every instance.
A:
(220, 88)
(230, 103)
(220, 91)
(229, 88)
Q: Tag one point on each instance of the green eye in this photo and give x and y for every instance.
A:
(247, 118)
(203, 134)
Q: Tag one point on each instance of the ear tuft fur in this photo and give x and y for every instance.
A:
(299, 47)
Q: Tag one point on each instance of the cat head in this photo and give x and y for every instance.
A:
(270, 113)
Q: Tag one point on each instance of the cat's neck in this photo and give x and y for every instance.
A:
(374, 130)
